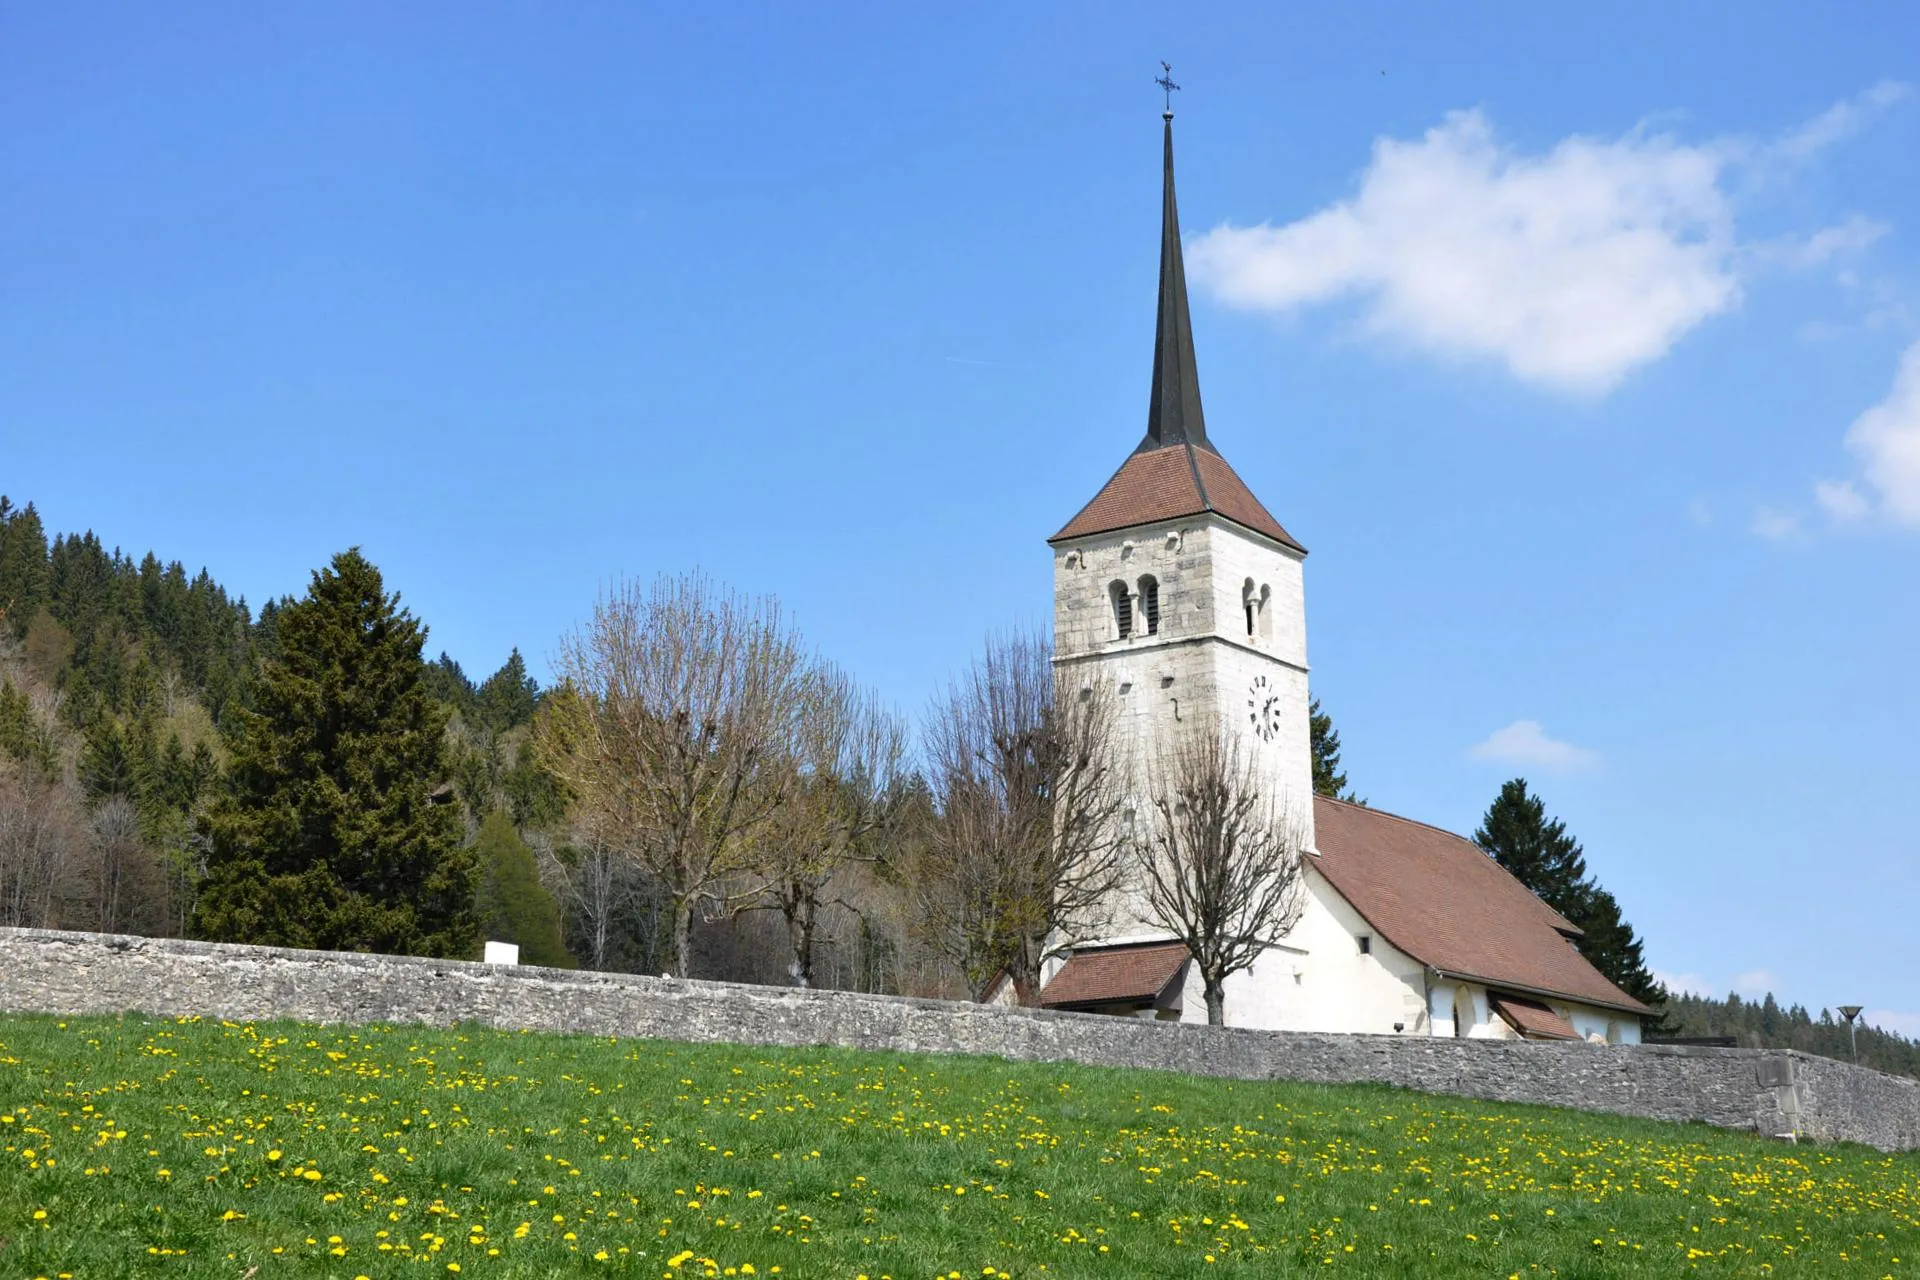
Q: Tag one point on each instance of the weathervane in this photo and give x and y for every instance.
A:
(1168, 87)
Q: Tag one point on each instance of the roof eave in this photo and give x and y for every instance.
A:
(1507, 984)
(1284, 544)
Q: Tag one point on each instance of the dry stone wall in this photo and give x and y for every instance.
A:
(1765, 1091)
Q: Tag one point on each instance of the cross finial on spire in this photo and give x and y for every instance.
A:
(1168, 87)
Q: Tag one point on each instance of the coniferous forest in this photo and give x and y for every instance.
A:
(177, 762)
(700, 794)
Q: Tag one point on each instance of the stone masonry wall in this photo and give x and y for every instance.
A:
(1765, 1091)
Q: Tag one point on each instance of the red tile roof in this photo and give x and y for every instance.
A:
(1105, 975)
(1532, 1019)
(1443, 901)
(1168, 483)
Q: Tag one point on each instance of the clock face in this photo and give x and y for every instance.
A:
(1263, 708)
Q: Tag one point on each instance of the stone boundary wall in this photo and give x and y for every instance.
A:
(1773, 1092)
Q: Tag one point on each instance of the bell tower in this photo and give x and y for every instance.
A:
(1176, 589)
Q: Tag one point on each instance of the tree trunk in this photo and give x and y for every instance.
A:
(683, 938)
(1216, 1004)
(600, 940)
(799, 911)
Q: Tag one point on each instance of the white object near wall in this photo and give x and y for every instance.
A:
(503, 953)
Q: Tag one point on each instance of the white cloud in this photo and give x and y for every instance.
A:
(1840, 121)
(1775, 525)
(1843, 239)
(1754, 984)
(1905, 1024)
(1886, 439)
(1525, 743)
(1683, 983)
(1841, 500)
(1572, 268)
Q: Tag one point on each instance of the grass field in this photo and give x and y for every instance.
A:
(150, 1147)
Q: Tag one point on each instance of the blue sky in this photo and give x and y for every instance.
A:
(1580, 349)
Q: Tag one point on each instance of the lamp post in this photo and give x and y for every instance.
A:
(1850, 1012)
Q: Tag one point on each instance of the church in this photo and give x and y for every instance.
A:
(1179, 592)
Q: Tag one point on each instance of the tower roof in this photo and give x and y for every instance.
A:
(1174, 415)
(1175, 471)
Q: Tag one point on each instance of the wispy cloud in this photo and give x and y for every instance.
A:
(1525, 743)
(1571, 268)
(1842, 240)
(1775, 524)
(1756, 982)
(1753, 984)
(1683, 983)
(1839, 122)
(1841, 499)
(1903, 1024)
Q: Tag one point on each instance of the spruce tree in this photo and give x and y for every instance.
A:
(1517, 834)
(23, 565)
(514, 906)
(446, 683)
(1328, 778)
(22, 736)
(507, 697)
(329, 835)
(1610, 944)
(107, 764)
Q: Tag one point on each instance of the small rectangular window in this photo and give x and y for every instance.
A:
(1366, 945)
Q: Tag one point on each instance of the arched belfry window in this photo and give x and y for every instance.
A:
(1266, 614)
(1122, 609)
(1150, 604)
(1250, 605)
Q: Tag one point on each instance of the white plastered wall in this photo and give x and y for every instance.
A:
(1320, 980)
(1447, 995)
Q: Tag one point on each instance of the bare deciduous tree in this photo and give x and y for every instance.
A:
(848, 750)
(39, 838)
(671, 729)
(1025, 849)
(610, 920)
(117, 875)
(1220, 860)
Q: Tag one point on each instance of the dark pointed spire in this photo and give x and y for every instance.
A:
(1174, 416)
(1176, 472)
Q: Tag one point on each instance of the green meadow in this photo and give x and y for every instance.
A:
(147, 1147)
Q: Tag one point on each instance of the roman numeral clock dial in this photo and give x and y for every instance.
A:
(1263, 708)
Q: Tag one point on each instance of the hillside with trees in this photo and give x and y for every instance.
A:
(162, 747)
(173, 763)
(1766, 1024)
(701, 794)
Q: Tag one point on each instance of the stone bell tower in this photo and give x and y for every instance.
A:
(1176, 589)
